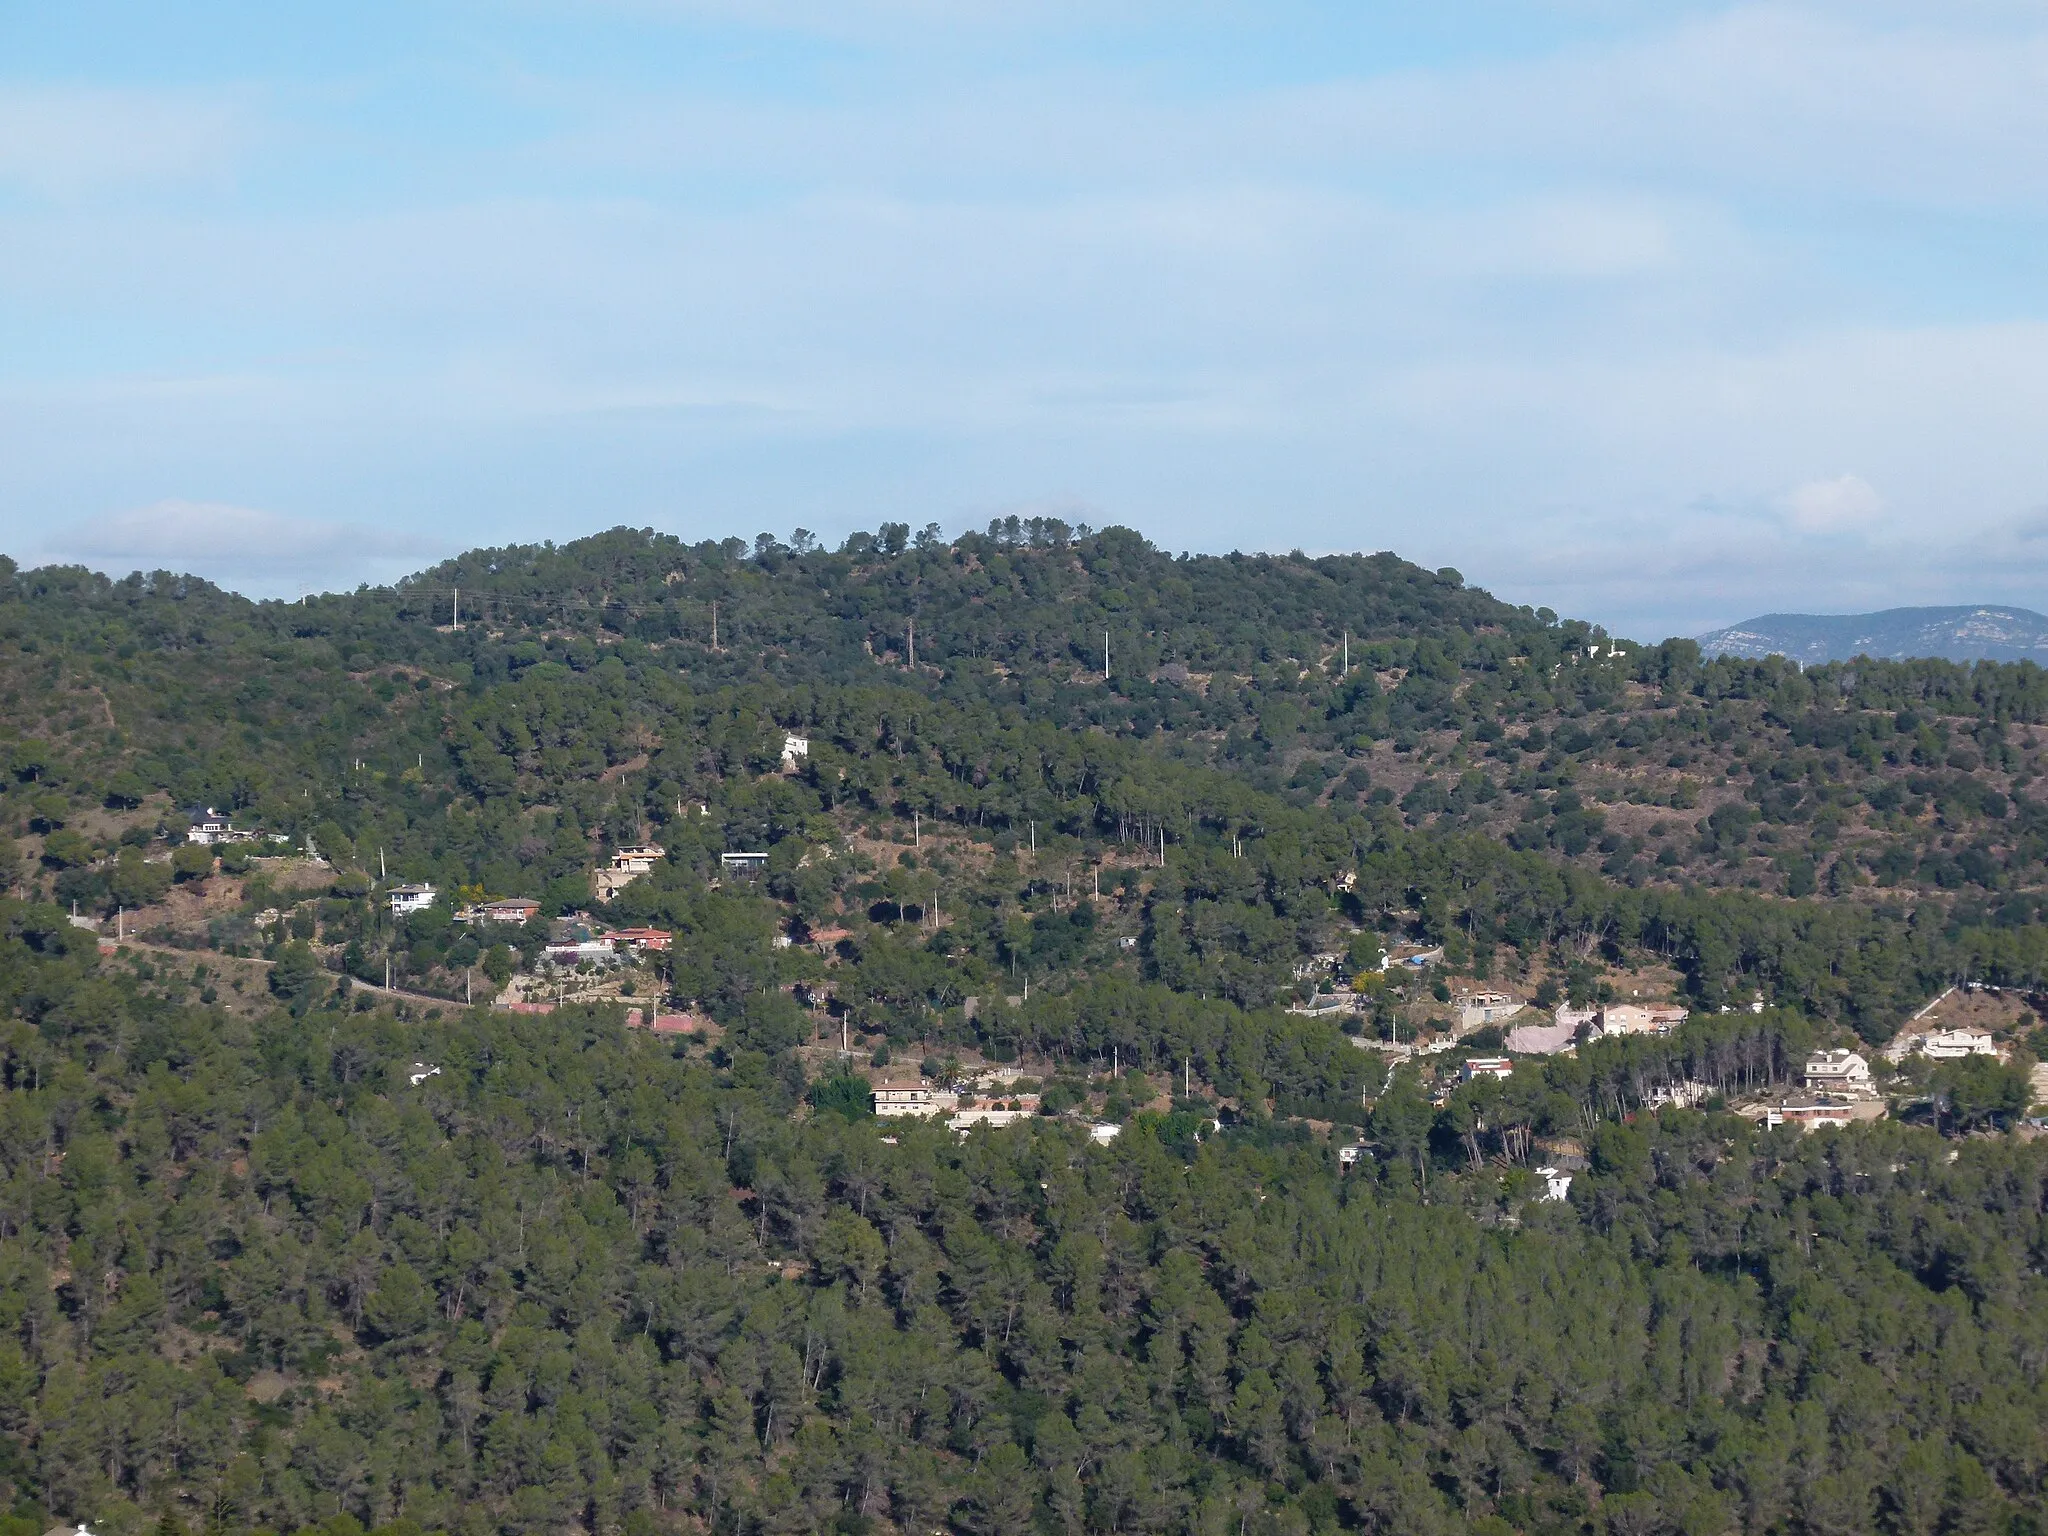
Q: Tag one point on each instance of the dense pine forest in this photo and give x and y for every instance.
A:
(1065, 801)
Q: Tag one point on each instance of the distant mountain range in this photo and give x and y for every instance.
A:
(1956, 634)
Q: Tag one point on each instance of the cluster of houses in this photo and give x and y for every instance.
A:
(1839, 1091)
(964, 1108)
(574, 942)
(1563, 1030)
(579, 942)
(1837, 1083)
(624, 867)
(511, 911)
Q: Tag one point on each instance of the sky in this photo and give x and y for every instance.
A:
(1663, 315)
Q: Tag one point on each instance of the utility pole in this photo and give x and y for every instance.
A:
(382, 872)
(1034, 837)
(916, 830)
(714, 626)
(1347, 655)
(913, 645)
(456, 622)
(1105, 655)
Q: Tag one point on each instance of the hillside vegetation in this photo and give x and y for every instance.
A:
(587, 1278)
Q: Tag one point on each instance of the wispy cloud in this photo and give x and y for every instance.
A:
(262, 552)
(1664, 315)
(72, 139)
(1843, 504)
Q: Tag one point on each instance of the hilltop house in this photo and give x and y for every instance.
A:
(743, 866)
(1640, 1018)
(515, 912)
(408, 899)
(996, 1111)
(626, 865)
(794, 747)
(1838, 1071)
(572, 952)
(902, 1100)
(208, 827)
(1810, 1115)
(1943, 1045)
(641, 938)
(1486, 1066)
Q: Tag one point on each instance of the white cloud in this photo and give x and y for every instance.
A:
(1941, 112)
(1844, 504)
(67, 140)
(1576, 319)
(263, 552)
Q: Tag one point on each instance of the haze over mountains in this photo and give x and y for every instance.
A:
(1979, 633)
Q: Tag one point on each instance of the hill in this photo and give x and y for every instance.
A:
(285, 1248)
(1896, 634)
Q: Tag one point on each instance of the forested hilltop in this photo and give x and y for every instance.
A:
(282, 1246)
(1457, 710)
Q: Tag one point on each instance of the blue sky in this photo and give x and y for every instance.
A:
(1662, 314)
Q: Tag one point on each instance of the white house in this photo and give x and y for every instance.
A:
(897, 1101)
(1687, 1093)
(1943, 1045)
(967, 1119)
(1838, 1071)
(1103, 1133)
(407, 899)
(569, 952)
(1954, 1044)
(1486, 1066)
(1348, 1157)
(210, 827)
(637, 859)
(1640, 1018)
(793, 748)
(1556, 1183)
(1808, 1116)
